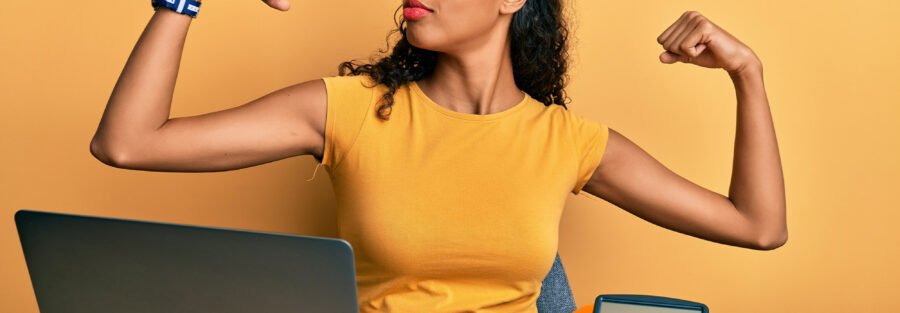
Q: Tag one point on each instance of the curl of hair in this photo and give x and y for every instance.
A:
(538, 50)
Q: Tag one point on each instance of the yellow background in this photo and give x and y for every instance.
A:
(831, 72)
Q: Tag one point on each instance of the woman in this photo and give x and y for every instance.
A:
(452, 158)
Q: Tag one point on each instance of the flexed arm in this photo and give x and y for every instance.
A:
(757, 181)
(136, 132)
(753, 214)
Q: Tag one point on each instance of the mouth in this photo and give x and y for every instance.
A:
(416, 4)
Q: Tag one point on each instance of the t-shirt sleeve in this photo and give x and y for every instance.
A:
(349, 102)
(590, 139)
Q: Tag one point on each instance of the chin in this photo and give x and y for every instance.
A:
(418, 39)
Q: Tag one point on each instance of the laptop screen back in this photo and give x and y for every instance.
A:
(612, 307)
(101, 265)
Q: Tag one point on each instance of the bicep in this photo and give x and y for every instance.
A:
(633, 180)
(284, 123)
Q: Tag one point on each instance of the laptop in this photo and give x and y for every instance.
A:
(635, 303)
(93, 264)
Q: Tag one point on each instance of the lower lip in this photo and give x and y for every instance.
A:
(415, 13)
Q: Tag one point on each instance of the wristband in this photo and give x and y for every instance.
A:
(186, 7)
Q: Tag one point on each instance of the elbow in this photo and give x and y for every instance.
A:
(110, 156)
(771, 241)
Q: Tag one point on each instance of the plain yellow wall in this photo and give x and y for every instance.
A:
(831, 72)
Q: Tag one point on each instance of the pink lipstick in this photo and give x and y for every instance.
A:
(414, 10)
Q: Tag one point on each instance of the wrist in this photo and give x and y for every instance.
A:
(749, 70)
(183, 7)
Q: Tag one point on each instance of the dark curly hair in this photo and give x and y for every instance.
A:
(539, 54)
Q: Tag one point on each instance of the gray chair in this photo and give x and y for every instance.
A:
(556, 295)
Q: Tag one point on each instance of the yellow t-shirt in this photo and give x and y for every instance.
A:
(449, 211)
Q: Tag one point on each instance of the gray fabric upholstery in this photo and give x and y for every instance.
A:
(556, 295)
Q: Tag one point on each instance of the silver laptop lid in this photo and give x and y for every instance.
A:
(94, 264)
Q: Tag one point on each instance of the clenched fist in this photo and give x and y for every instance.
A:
(282, 5)
(696, 40)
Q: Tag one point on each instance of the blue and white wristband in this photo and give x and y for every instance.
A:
(187, 7)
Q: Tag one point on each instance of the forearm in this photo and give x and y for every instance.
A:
(757, 182)
(140, 102)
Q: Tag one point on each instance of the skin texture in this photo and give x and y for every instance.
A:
(474, 75)
(136, 132)
(753, 214)
(474, 72)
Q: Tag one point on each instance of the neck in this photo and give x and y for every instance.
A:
(476, 79)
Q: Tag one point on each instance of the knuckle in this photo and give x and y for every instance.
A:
(701, 19)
